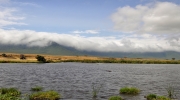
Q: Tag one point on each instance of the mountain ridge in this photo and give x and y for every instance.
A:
(56, 49)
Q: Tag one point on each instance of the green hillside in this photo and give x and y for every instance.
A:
(52, 50)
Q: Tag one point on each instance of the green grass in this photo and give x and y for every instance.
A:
(9, 94)
(9, 97)
(10, 91)
(45, 95)
(162, 98)
(155, 97)
(115, 98)
(129, 90)
(151, 96)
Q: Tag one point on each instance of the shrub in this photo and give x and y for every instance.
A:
(115, 98)
(4, 55)
(37, 88)
(47, 95)
(40, 58)
(22, 56)
(129, 90)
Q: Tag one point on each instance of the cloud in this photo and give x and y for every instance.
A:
(135, 43)
(86, 32)
(8, 17)
(146, 19)
(161, 17)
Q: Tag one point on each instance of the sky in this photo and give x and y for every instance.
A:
(92, 25)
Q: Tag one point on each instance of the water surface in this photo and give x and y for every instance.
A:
(75, 80)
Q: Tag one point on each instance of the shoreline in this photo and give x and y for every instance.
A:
(30, 58)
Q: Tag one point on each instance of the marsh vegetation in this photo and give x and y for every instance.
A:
(15, 94)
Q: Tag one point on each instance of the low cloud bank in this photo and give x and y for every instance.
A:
(133, 43)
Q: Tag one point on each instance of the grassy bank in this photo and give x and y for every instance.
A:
(31, 58)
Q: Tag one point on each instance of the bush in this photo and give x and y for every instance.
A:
(129, 90)
(47, 95)
(4, 55)
(40, 58)
(115, 98)
(37, 88)
(22, 56)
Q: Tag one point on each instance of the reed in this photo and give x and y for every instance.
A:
(170, 92)
(95, 90)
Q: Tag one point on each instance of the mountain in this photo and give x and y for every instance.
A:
(53, 49)
(56, 49)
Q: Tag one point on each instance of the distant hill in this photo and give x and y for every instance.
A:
(56, 49)
(53, 49)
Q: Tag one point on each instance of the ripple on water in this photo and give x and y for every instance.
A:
(75, 80)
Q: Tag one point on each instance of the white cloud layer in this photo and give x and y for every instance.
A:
(86, 32)
(143, 43)
(161, 17)
(8, 17)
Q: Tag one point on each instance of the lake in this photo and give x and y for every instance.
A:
(74, 81)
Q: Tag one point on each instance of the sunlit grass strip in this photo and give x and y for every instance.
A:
(129, 90)
(46, 95)
(85, 59)
(17, 61)
(126, 61)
